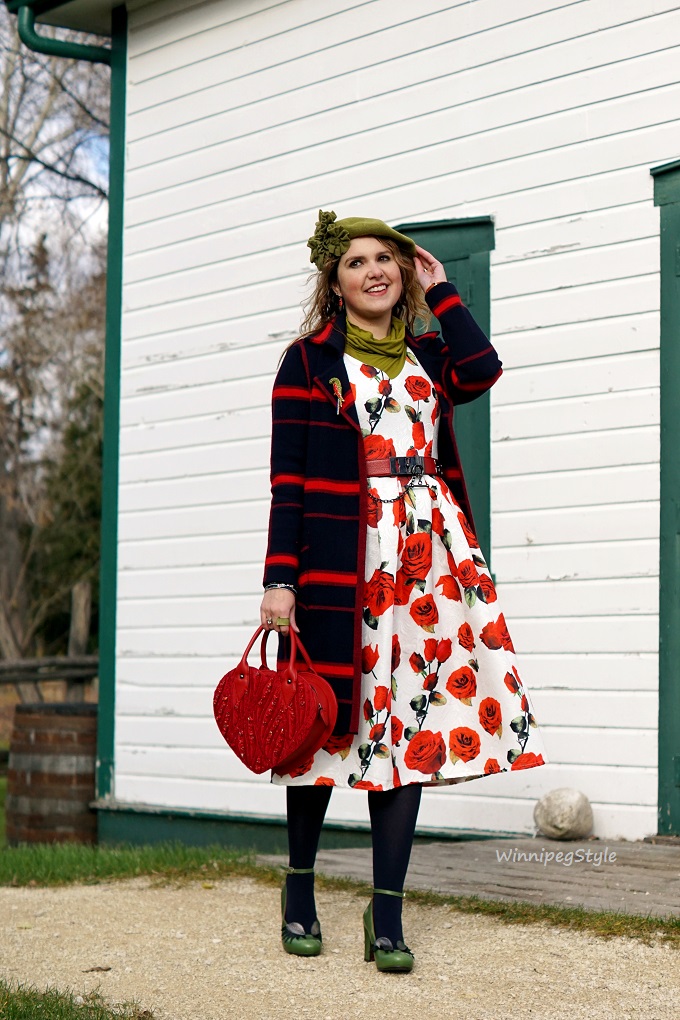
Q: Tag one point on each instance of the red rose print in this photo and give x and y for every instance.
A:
(364, 784)
(426, 752)
(418, 430)
(324, 781)
(430, 649)
(424, 612)
(467, 574)
(428, 449)
(379, 592)
(462, 683)
(491, 635)
(444, 650)
(417, 387)
(435, 411)
(464, 743)
(338, 743)
(524, 703)
(369, 370)
(491, 766)
(402, 589)
(377, 732)
(396, 779)
(511, 683)
(416, 558)
(465, 637)
(380, 698)
(450, 589)
(453, 566)
(385, 387)
(377, 448)
(368, 709)
(438, 522)
(430, 682)
(374, 511)
(399, 511)
(528, 760)
(417, 662)
(369, 657)
(490, 715)
(505, 637)
(487, 586)
(396, 652)
(397, 729)
(299, 770)
(470, 536)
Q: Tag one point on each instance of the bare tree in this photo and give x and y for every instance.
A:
(54, 117)
(53, 172)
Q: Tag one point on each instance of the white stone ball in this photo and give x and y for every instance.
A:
(564, 814)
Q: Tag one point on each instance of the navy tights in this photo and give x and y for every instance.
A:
(393, 821)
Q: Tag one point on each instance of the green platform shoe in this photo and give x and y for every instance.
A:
(399, 958)
(295, 939)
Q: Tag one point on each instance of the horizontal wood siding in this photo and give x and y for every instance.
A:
(245, 117)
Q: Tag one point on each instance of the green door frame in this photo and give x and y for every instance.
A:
(463, 246)
(667, 197)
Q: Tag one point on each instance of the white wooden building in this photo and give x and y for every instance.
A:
(540, 118)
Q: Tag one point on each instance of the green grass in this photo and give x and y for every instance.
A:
(22, 1002)
(46, 864)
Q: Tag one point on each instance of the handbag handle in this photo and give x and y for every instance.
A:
(295, 644)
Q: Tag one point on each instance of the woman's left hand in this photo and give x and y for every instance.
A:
(428, 269)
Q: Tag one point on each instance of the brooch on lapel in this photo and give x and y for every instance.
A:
(337, 390)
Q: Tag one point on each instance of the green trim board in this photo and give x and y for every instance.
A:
(667, 196)
(140, 824)
(80, 15)
(463, 246)
(112, 361)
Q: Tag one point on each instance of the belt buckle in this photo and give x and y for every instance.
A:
(414, 465)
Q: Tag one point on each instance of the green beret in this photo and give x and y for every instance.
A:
(332, 237)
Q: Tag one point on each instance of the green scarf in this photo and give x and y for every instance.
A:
(388, 354)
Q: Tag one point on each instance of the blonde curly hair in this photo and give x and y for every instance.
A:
(324, 303)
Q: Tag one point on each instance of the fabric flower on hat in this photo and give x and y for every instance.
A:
(329, 240)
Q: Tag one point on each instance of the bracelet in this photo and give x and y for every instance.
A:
(290, 587)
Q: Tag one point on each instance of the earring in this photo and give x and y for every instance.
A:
(340, 303)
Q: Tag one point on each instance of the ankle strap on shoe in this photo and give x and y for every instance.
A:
(296, 871)
(389, 892)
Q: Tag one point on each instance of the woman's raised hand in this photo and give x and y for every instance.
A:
(278, 604)
(428, 269)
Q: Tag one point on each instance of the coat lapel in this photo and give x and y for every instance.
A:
(334, 380)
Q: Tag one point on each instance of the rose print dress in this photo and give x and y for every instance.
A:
(443, 701)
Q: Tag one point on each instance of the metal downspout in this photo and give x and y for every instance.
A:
(56, 47)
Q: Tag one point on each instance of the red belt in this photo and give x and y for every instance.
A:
(398, 466)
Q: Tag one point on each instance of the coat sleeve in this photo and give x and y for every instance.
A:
(473, 365)
(290, 425)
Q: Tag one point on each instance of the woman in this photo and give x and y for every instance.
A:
(372, 556)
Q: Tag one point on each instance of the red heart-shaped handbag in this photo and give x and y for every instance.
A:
(274, 719)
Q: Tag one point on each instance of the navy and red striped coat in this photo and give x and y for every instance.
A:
(317, 525)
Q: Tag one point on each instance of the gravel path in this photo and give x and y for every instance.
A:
(211, 952)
